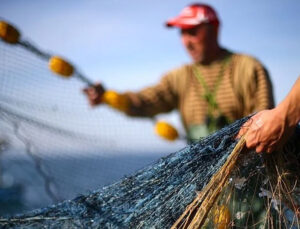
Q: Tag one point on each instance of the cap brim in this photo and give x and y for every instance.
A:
(179, 23)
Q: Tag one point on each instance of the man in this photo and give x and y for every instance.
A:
(217, 88)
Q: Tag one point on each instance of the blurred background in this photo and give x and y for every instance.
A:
(53, 146)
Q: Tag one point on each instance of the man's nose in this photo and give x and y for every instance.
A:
(188, 43)
(185, 40)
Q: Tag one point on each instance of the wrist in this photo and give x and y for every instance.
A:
(290, 111)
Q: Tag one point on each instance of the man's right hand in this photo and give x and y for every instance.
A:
(267, 130)
(94, 94)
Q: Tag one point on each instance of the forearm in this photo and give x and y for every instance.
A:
(153, 100)
(147, 103)
(290, 106)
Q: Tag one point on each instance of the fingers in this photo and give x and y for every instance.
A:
(266, 147)
(252, 123)
(269, 150)
(250, 143)
(253, 142)
(93, 97)
(242, 132)
(260, 148)
(94, 94)
(244, 128)
(252, 129)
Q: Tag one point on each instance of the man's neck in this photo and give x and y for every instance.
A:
(213, 55)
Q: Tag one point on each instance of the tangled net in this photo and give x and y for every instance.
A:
(260, 191)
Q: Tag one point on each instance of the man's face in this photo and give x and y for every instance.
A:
(199, 40)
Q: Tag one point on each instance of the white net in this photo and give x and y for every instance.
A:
(58, 146)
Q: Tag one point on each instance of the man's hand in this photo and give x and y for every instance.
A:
(266, 131)
(94, 94)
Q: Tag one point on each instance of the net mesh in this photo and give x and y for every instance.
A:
(53, 147)
(262, 191)
(57, 146)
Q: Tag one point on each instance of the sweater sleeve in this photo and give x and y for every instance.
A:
(264, 91)
(253, 86)
(160, 98)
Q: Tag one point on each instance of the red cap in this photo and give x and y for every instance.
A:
(194, 15)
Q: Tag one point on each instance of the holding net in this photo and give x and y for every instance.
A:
(260, 191)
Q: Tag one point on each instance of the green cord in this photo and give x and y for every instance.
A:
(210, 95)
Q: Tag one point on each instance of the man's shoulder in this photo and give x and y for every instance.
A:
(178, 77)
(246, 68)
(242, 58)
(184, 69)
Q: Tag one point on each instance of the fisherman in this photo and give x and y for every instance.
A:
(268, 130)
(218, 87)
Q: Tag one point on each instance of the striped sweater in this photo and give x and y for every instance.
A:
(245, 87)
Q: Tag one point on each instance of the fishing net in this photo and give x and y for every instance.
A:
(213, 183)
(257, 191)
(53, 145)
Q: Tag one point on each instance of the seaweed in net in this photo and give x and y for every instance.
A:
(260, 192)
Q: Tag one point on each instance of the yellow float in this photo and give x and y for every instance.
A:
(8, 33)
(221, 217)
(115, 100)
(166, 131)
(60, 66)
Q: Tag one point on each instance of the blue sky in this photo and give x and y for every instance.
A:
(125, 45)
